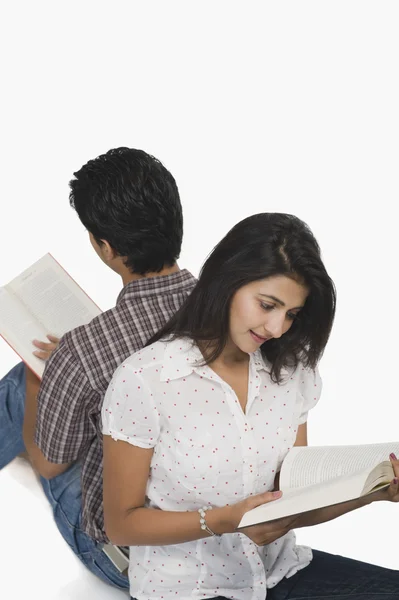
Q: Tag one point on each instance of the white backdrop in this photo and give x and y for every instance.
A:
(253, 106)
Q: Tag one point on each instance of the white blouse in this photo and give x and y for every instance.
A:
(207, 451)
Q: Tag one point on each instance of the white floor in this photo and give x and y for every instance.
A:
(35, 562)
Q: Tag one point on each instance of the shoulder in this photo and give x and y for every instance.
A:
(151, 356)
(309, 386)
(90, 336)
(302, 378)
(111, 337)
(159, 363)
(101, 345)
(142, 306)
(298, 375)
(307, 378)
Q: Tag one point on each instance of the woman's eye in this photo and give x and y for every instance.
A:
(292, 316)
(267, 306)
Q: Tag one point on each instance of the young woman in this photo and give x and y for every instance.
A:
(197, 424)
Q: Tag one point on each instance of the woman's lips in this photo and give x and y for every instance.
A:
(258, 339)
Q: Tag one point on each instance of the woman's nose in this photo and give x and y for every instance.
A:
(275, 327)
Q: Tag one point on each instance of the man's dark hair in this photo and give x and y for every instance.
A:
(128, 198)
(261, 246)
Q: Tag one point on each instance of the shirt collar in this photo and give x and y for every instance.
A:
(150, 286)
(182, 357)
(258, 361)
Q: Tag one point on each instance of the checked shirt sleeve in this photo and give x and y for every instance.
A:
(63, 426)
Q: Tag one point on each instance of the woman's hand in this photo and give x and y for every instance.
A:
(392, 492)
(260, 534)
(45, 349)
(266, 533)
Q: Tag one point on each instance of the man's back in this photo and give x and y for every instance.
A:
(129, 203)
(78, 374)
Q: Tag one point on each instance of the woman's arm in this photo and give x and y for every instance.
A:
(328, 513)
(129, 523)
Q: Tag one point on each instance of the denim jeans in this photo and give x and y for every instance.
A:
(332, 577)
(64, 492)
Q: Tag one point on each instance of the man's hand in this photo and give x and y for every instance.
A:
(45, 348)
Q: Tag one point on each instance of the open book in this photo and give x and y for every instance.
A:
(43, 300)
(313, 477)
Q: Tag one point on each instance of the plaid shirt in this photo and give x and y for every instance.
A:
(77, 375)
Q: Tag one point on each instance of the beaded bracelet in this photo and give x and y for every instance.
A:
(203, 524)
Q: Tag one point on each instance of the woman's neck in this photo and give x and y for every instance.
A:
(231, 355)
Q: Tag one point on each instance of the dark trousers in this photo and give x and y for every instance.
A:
(332, 577)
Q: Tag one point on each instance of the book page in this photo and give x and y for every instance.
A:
(305, 466)
(53, 297)
(18, 327)
(382, 474)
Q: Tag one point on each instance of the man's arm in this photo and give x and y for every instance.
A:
(62, 430)
(45, 468)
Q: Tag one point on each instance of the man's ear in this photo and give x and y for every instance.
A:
(107, 251)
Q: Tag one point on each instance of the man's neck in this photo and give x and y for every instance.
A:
(128, 276)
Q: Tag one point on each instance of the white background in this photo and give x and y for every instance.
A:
(253, 106)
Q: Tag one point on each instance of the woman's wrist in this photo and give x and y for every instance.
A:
(377, 496)
(221, 520)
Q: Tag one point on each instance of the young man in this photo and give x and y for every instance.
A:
(130, 205)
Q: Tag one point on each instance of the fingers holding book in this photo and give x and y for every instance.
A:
(264, 533)
(45, 348)
(393, 490)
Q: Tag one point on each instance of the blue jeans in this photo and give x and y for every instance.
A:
(64, 492)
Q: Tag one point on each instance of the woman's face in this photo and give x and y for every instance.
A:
(263, 310)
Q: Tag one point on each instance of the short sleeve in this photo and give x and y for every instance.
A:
(63, 428)
(129, 412)
(310, 391)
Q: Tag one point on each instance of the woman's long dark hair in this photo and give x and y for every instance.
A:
(258, 247)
